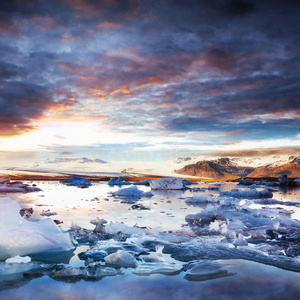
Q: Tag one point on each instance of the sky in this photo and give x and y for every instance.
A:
(148, 80)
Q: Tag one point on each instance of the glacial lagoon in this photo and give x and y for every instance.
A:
(213, 247)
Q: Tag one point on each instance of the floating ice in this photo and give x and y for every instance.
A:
(155, 257)
(119, 181)
(102, 248)
(147, 269)
(250, 194)
(90, 273)
(77, 181)
(19, 236)
(132, 191)
(100, 224)
(18, 259)
(121, 258)
(15, 187)
(167, 184)
(240, 241)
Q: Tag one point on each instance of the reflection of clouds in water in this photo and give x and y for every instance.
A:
(252, 280)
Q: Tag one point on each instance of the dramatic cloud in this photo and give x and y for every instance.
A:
(169, 67)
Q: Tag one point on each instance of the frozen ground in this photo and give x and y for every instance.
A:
(217, 240)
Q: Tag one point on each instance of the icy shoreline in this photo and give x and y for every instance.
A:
(241, 223)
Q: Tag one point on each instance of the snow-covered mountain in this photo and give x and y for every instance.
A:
(225, 168)
(217, 169)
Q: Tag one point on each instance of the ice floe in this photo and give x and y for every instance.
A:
(121, 258)
(131, 191)
(18, 260)
(7, 186)
(167, 184)
(147, 269)
(77, 181)
(18, 236)
(250, 194)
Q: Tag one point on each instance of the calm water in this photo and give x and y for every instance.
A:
(167, 209)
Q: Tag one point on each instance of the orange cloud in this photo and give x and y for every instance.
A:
(125, 90)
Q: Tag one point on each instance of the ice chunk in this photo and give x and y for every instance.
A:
(17, 187)
(15, 271)
(19, 236)
(18, 259)
(98, 273)
(250, 194)
(119, 181)
(77, 181)
(100, 224)
(214, 226)
(69, 274)
(102, 248)
(121, 258)
(247, 181)
(155, 257)
(75, 226)
(240, 241)
(167, 184)
(147, 269)
(91, 273)
(132, 191)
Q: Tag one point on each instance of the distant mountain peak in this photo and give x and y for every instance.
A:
(223, 168)
(218, 169)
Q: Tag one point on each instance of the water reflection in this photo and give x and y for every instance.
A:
(252, 281)
(166, 209)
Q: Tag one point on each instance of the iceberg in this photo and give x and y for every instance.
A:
(15, 187)
(132, 191)
(155, 257)
(121, 258)
(147, 269)
(18, 260)
(167, 184)
(250, 194)
(119, 181)
(18, 236)
(77, 181)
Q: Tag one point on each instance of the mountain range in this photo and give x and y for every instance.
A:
(225, 168)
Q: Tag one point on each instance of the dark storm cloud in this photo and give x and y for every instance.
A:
(173, 65)
(19, 104)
